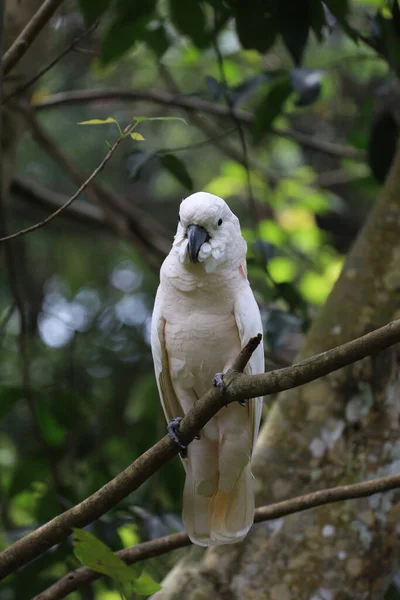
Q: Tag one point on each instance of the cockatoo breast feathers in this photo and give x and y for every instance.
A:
(208, 232)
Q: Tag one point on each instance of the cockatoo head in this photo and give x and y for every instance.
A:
(208, 232)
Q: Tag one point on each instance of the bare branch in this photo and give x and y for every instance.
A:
(158, 547)
(253, 208)
(91, 215)
(85, 213)
(70, 200)
(208, 127)
(36, 542)
(239, 387)
(123, 218)
(28, 34)
(191, 104)
(338, 177)
(24, 86)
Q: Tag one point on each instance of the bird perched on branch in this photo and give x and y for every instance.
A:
(204, 313)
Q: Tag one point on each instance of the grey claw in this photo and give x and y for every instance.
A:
(242, 402)
(173, 430)
(219, 382)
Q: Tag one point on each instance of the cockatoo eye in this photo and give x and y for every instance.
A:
(179, 218)
(219, 222)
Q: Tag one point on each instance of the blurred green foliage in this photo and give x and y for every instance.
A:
(89, 406)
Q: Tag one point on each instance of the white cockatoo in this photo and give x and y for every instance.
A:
(204, 313)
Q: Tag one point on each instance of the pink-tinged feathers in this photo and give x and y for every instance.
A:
(203, 315)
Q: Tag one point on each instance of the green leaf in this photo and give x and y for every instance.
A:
(256, 25)
(128, 27)
(27, 470)
(8, 397)
(177, 168)
(137, 136)
(131, 10)
(157, 40)
(270, 107)
(97, 556)
(128, 534)
(293, 20)
(339, 8)
(52, 431)
(120, 37)
(137, 160)
(386, 40)
(317, 18)
(142, 119)
(98, 121)
(145, 585)
(190, 19)
(93, 9)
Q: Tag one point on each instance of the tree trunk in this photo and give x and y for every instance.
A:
(340, 429)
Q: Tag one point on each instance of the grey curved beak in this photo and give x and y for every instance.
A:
(196, 237)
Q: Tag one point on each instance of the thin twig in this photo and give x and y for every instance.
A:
(189, 103)
(87, 51)
(83, 212)
(253, 210)
(28, 34)
(78, 578)
(55, 214)
(217, 140)
(143, 230)
(238, 387)
(228, 98)
(212, 139)
(24, 86)
(338, 177)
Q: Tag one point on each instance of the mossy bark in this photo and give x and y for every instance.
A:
(340, 429)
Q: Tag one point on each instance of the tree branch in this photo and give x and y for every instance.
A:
(239, 387)
(76, 579)
(70, 200)
(218, 141)
(83, 212)
(145, 232)
(251, 201)
(190, 104)
(24, 86)
(28, 34)
(91, 215)
(36, 542)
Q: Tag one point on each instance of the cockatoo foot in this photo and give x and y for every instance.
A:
(173, 430)
(219, 382)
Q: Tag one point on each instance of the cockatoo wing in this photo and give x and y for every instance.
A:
(249, 324)
(169, 401)
(231, 510)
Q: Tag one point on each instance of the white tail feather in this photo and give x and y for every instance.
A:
(212, 516)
